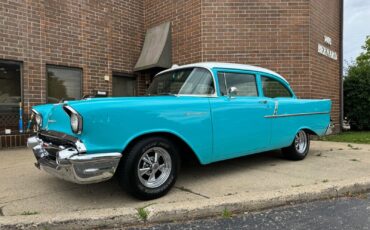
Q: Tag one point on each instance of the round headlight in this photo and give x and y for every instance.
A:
(75, 119)
(74, 123)
(38, 119)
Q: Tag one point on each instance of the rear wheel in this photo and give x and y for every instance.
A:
(298, 150)
(149, 169)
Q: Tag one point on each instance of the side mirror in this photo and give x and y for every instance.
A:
(232, 91)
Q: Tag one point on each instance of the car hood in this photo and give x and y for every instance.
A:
(55, 118)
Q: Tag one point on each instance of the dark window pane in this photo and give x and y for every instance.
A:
(123, 86)
(244, 83)
(10, 95)
(10, 87)
(273, 88)
(63, 83)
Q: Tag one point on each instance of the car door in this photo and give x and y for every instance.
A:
(284, 124)
(238, 116)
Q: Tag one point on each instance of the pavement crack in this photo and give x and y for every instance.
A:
(190, 191)
(23, 198)
(30, 197)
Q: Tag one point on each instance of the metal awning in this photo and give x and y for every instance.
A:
(156, 50)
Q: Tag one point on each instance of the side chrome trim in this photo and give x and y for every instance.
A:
(276, 108)
(295, 114)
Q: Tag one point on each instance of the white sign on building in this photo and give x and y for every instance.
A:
(326, 51)
(327, 40)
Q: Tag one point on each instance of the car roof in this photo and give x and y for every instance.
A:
(222, 65)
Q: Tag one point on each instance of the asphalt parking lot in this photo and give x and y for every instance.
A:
(25, 190)
(334, 214)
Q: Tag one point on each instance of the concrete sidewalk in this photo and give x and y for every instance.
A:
(248, 183)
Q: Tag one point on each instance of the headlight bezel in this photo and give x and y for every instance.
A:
(73, 117)
(37, 119)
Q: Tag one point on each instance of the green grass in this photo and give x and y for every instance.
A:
(226, 213)
(28, 213)
(362, 137)
(143, 213)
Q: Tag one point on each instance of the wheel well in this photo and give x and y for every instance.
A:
(309, 131)
(186, 152)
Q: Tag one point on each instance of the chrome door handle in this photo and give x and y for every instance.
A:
(263, 102)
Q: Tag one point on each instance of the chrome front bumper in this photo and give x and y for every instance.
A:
(67, 163)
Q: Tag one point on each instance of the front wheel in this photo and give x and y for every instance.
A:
(298, 150)
(149, 169)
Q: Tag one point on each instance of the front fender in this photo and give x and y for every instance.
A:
(110, 127)
(201, 158)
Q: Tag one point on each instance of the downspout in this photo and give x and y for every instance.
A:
(341, 68)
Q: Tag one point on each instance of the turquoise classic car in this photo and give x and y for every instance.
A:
(213, 111)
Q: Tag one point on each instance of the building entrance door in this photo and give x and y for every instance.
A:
(123, 85)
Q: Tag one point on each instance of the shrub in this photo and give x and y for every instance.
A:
(356, 90)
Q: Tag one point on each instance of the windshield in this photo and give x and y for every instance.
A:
(190, 81)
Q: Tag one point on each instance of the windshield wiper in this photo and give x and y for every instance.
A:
(161, 94)
(169, 94)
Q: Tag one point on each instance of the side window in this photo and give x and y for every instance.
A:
(273, 88)
(245, 84)
(189, 81)
(198, 82)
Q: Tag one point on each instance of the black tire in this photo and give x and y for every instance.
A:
(128, 172)
(292, 152)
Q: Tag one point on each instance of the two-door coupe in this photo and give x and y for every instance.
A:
(214, 111)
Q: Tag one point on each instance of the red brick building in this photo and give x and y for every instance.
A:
(52, 49)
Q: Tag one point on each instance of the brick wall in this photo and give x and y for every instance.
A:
(185, 17)
(268, 33)
(325, 73)
(97, 36)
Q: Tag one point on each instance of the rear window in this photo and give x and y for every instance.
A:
(273, 88)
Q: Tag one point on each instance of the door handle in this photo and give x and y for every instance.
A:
(263, 102)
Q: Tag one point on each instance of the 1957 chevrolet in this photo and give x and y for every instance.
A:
(214, 111)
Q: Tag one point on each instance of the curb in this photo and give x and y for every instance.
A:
(179, 211)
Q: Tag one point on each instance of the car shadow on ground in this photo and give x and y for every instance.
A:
(228, 166)
(190, 170)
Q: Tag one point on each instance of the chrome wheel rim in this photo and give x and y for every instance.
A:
(154, 167)
(300, 142)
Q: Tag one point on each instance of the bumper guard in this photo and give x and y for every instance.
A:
(69, 164)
